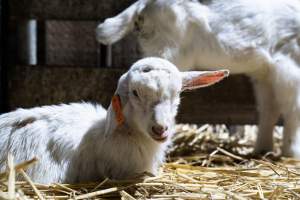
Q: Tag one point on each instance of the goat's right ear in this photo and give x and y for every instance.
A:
(198, 79)
(115, 28)
(122, 89)
(115, 112)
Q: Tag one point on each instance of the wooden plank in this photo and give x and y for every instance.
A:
(65, 48)
(229, 102)
(38, 85)
(66, 9)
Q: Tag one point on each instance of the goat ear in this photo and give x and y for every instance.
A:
(122, 88)
(115, 115)
(198, 79)
(115, 28)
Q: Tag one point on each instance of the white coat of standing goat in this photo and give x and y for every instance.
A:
(260, 38)
(84, 142)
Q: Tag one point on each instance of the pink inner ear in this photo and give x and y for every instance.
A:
(208, 79)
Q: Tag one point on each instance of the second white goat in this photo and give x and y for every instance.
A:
(84, 142)
(260, 38)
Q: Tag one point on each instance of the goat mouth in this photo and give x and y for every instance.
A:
(161, 138)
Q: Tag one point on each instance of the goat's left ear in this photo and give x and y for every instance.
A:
(198, 79)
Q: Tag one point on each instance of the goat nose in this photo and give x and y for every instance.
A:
(159, 129)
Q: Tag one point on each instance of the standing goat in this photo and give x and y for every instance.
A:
(260, 38)
(84, 142)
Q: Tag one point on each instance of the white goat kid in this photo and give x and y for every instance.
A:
(82, 142)
(258, 38)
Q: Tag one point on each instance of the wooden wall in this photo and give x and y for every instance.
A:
(229, 102)
(71, 70)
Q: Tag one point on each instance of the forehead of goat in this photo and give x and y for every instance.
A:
(157, 74)
(154, 77)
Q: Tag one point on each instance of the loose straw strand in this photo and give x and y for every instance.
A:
(27, 178)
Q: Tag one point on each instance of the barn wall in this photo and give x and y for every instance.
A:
(71, 68)
(32, 86)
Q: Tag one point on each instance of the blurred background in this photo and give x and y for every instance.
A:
(49, 55)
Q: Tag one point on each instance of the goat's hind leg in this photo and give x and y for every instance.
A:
(291, 135)
(268, 116)
(286, 83)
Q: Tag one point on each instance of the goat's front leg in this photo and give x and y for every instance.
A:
(268, 116)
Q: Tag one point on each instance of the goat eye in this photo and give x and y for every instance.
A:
(135, 93)
(147, 69)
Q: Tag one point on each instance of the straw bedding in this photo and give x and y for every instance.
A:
(206, 162)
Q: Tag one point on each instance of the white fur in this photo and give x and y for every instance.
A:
(260, 38)
(82, 142)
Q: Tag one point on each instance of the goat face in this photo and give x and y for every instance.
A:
(153, 98)
(150, 94)
(162, 26)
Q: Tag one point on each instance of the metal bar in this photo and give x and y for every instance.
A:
(103, 55)
(27, 35)
(98, 55)
(108, 60)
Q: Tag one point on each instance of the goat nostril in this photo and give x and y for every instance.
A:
(159, 130)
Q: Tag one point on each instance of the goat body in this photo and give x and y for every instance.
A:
(83, 142)
(71, 146)
(258, 38)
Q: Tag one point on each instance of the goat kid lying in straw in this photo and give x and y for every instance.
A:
(260, 38)
(83, 142)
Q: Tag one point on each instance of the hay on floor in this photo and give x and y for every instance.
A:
(205, 162)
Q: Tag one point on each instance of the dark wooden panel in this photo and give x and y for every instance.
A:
(67, 9)
(71, 43)
(74, 43)
(38, 85)
(41, 43)
(3, 54)
(229, 102)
